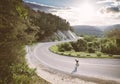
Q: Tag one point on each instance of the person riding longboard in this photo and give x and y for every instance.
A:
(76, 66)
(77, 62)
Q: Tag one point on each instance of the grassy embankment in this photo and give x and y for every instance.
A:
(90, 47)
(81, 54)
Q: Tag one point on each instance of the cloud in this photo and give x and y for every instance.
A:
(117, 0)
(110, 10)
(105, 1)
(109, 2)
(113, 9)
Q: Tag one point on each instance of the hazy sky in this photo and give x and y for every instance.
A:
(86, 12)
(92, 12)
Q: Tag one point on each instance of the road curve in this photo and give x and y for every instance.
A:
(108, 69)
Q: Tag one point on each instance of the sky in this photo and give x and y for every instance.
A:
(86, 12)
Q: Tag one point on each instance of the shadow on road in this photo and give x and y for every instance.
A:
(75, 68)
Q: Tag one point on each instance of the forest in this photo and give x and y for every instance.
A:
(21, 26)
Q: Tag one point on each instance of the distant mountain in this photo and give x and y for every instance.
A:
(40, 7)
(116, 26)
(88, 30)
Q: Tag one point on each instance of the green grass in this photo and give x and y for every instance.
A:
(54, 48)
(81, 54)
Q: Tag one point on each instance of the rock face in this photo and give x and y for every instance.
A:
(61, 36)
(65, 35)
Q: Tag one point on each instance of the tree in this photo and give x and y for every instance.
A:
(110, 47)
(75, 46)
(15, 33)
(89, 38)
(65, 47)
(82, 45)
(114, 33)
(20, 26)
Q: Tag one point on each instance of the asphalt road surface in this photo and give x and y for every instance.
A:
(108, 69)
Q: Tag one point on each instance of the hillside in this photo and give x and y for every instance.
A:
(20, 26)
(61, 28)
(88, 30)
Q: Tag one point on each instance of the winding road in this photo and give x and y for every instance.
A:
(108, 69)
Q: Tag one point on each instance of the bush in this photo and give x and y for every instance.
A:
(22, 74)
(61, 49)
(78, 55)
(82, 45)
(64, 47)
(90, 44)
(69, 54)
(110, 55)
(75, 46)
(98, 54)
(89, 38)
(88, 55)
(110, 47)
(91, 50)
